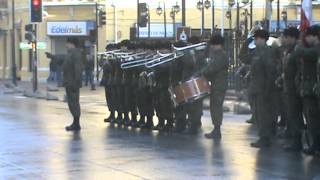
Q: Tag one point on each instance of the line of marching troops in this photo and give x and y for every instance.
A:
(285, 82)
(144, 90)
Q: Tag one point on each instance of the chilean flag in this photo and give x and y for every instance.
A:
(306, 14)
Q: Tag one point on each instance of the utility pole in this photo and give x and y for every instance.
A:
(183, 4)
(278, 16)
(138, 17)
(13, 49)
(212, 14)
(202, 19)
(165, 20)
(97, 43)
(35, 60)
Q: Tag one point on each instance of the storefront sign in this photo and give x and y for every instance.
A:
(157, 30)
(75, 28)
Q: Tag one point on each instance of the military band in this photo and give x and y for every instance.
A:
(168, 81)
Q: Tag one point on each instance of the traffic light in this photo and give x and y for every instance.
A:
(36, 11)
(231, 2)
(29, 33)
(143, 15)
(102, 18)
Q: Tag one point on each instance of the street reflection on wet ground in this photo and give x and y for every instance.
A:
(34, 145)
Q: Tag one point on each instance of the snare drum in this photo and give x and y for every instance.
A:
(190, 90)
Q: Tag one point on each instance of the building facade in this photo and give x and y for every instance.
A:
(60, 20)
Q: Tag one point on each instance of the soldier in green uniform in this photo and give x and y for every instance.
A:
(72, 71)
(161, 96)
(262, 86)
(188, 116)
(108, 72)
(308, 80)
(289, 73)
(217, 73)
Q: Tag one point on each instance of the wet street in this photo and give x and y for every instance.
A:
(34, 145)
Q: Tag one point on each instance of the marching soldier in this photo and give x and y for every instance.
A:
(108, 72)
(262, 86)
(144, 97)
(294, 104)
(72, 71)
(188, 116)
(308, 80)
(162, 100)
(217, 73)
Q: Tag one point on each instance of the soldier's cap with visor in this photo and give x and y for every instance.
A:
(216, 39)
(291, 32)
(261, 33)
(74, 41)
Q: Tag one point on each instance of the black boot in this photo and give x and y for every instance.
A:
(126, 119)
(110, 118)
(134, 121)
(179, 127)
(141, 121)
(75, 126)
(160, 125)
(314, 149)
(119, 118)
(149, 124)
(214, 134)
(169, 126)
(294, 146)
(261, 143)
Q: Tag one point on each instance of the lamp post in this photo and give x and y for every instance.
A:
(202, 5)
(13, 50)
(174, 10)
(284, 16)
(159, 12)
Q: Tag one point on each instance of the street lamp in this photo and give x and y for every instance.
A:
(174, 10)
(246, 14)
(207, 4)
(228, 16)
(284, 16)
(199, 5)
(159, 11)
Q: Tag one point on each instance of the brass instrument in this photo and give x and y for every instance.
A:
(199, 46)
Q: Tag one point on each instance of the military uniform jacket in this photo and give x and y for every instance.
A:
(290, 69)
(72, 69)
(263, 71)
(217, 70)
(308, 70)
(192, 63)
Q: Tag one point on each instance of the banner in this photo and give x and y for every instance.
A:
(306, 14)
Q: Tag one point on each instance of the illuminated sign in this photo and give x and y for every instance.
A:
(75, 28)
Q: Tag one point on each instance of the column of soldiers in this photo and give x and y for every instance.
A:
(144, 91)
(296, 63)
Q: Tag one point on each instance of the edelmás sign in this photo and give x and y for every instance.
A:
(77, 28)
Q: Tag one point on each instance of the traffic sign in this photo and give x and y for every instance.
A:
(26, 45)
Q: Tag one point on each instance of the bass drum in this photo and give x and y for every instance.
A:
(191, 90)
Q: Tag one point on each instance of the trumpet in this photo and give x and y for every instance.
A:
(136, 62)
(199, 46)
(162, 60)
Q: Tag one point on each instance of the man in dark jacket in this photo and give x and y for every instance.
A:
(72, 70)
(217, 73)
